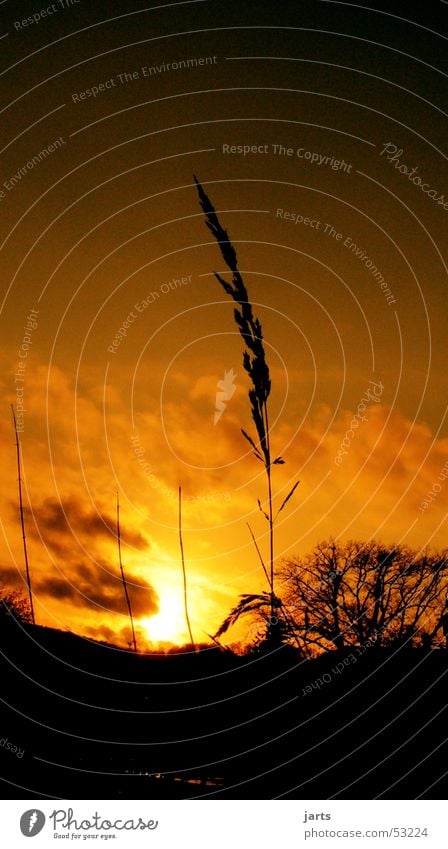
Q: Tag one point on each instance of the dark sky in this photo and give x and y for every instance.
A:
(319, 131)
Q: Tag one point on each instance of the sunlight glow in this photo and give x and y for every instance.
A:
(169, 624)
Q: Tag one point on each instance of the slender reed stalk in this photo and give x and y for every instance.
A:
(254, 362)
(283, 612)
(184, 572)
(260, 556)
(22, 521)
(123, 578)
(271, 516)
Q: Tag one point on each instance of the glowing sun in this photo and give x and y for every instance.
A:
(168, 625)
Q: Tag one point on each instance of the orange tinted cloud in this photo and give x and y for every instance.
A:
(72, 471)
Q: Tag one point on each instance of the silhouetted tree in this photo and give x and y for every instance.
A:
(342, 595)
(13, 604)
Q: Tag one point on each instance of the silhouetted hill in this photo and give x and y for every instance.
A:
(95, 721)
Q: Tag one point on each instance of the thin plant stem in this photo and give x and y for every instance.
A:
(123, 578)
(282, 610)
(22, 521)
(271, 519)
(184, 572)
(254, 363)
(260, 556)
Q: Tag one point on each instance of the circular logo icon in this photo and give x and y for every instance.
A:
(32, 822)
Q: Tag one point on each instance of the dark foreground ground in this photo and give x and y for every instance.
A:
(95, 722)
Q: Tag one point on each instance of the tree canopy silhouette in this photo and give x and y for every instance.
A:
(347, 594)
(13, 604)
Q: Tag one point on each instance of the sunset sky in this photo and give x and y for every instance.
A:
(117, 332)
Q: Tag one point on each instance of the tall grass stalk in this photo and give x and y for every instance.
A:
(22, 521)
(254, 363)
(184, 572)
(123, 578)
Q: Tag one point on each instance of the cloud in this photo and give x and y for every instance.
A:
(389, 464)
(99, 587)
(57, 522)
(72, 466)
(11, 577)
(122, 637)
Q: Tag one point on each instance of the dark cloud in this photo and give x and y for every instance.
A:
(59, 522)
(12, 578)
(99, 586)
(123, 637)
(56, 587)
(102, 633)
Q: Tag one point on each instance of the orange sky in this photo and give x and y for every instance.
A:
(105, 235)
